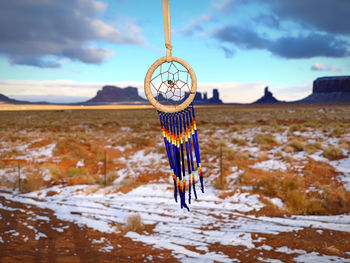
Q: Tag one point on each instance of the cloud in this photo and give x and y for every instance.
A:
(229, 51)
(324, 15)
(224, 6)
(196, 25)
(318, 66)
(38, 33)
(268, 20)
(311, 45)
(289, 29)
(30, 60)
(242, 37)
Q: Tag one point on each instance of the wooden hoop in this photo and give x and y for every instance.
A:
(157, 104)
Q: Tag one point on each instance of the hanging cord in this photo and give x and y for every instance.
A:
(167, 29)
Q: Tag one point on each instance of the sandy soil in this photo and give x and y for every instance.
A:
(64, 241)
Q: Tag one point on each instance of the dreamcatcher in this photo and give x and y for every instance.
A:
(170, 86)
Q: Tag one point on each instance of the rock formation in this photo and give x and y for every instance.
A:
(203, 98)
(330, 89)
(5, 99)
(267, 98)
(110, 94)
(331, 84)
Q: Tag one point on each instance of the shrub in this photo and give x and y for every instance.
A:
(295, 127)
(240, 142)
(332, 153)
(220, 184)
(54, 171)
(233, 128)
(296, 145)
(278, 154)
(263, 155)
(296, 202)
(313, 147)
(289, 183)
(242, 155)
(69, 145)
(288, 149)
(134, 223)
(73, 172)
(138, 140)
(338, 131)
(315, 207)
(267, 185)
(264, 139)
(33, 182)
(82, 136)
(311, 124)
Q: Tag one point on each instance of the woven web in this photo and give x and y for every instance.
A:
(171, 83)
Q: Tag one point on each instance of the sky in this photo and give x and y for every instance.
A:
(64, 51)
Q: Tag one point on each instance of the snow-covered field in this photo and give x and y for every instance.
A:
(211, 220)
(246, 215)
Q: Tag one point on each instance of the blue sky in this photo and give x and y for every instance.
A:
(64, 51)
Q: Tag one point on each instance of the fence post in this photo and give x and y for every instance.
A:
(221, 172)
(19, 177)
(105, 170)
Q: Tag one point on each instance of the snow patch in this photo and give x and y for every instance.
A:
(271, 165)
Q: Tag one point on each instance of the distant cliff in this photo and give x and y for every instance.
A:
(331, 84)
(330, 89)
(113, 94)
(200, 98)
(267, 98)
(5, 99)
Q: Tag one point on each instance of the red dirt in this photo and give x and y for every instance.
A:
(75, 244)
(39, 144)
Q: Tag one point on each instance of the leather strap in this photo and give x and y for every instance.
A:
(167, 29)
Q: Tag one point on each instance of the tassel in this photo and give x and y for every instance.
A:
(180, 139)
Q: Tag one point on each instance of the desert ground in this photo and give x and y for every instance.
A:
(94, 185)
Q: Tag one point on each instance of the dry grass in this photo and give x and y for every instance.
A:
(70, 146)
(136, 140)
(84, 137)
(291, 190)
(33, 182)
(338, 131)
(55, 171)
(81, 176)
(110, 177)
(297, 145)
(264, 139)
(240, 142)
(333, 153)
(73, 172)
(278, 154)
(311, 124)
(127, 185)
(262, 155)
(134, 223)
(220, 183)
(296, 127)
(313, 147)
